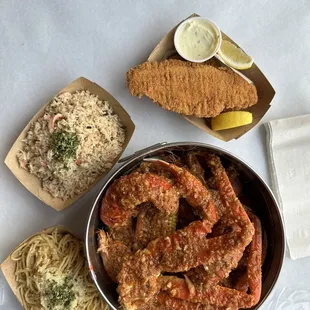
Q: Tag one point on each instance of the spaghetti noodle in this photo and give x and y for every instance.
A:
(52, 273)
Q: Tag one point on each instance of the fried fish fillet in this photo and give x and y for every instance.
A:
(189, 88)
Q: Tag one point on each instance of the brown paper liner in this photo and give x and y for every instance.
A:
(265, 91)
(33, 183)
(8, 266)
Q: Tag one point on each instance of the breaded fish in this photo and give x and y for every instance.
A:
(190, 88)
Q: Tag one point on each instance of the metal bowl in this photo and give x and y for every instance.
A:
(262, 200)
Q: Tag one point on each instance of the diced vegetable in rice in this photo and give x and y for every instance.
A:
(77, 139)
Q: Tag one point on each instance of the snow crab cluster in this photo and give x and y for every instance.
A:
(175, 238)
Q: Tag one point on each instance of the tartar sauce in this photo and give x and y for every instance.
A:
(198, 39)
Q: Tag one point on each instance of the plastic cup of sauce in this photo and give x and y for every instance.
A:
(197, 39)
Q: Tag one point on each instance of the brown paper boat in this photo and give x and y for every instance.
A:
(8, 266)
(166, 49)
(30, 181)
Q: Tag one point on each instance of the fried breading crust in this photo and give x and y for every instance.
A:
(190, 88)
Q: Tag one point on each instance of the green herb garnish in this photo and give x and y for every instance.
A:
(59, 294)
(64, 145)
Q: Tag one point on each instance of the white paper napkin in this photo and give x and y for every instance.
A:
(288, 144)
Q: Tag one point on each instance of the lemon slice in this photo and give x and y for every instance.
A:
(229, 120)
(235, 57)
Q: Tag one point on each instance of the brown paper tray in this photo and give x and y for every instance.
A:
(265, 91)
(30, 181)
(8, 265)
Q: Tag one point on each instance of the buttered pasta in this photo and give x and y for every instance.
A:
(52, 274)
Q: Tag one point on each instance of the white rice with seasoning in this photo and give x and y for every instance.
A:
(100, 136)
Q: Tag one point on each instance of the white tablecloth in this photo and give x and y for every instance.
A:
(44, 45)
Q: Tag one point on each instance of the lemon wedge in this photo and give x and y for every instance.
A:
(234, 57)
(232, 119)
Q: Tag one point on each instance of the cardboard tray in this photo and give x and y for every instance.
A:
(33, 183)
(8, 266)
(265, 91)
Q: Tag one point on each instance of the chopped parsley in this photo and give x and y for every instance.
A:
(64, 145)
(60, 295)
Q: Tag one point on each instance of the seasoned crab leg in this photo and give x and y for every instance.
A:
(216, 295)
(254, 273)
(164, 301)
(196, 194)
(235, 220)
(125, 234)
(120, 201)
(187, 248)
(113, 254)
(235, 215)
(115, 246)
(186, 290)
(118, 208)
(138, 276)
(194, 167)
(199, 274)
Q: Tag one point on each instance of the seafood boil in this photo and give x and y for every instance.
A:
(176, 236)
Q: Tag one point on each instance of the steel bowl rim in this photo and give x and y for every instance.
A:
(163, 146)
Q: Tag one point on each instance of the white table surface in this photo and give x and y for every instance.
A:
(44, 45)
